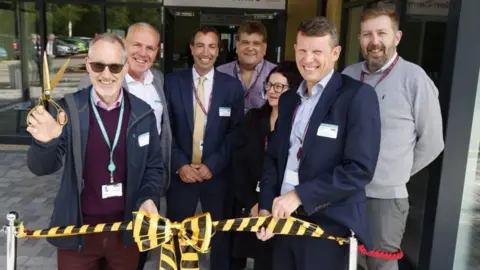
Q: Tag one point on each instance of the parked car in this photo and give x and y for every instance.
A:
(65, 49)
(81, 45)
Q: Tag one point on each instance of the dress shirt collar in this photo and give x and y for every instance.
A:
(208, 76)
(148, 78)
(257, 69)
(102, 104)
(317, 88)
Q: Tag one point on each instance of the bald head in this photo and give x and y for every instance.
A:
(142, 42)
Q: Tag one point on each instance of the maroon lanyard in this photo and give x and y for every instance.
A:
(247, 93)
(385, 73)
(200, 103)
(299, 152)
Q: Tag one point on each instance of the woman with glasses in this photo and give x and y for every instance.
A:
(257, 127)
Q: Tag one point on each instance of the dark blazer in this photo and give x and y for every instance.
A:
(247, 169)
(248, 156)
(220, 132)
(144, 164)
(333, 173)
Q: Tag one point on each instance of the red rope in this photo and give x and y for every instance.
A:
(390, 256)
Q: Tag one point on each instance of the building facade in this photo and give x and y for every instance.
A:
(439, 35)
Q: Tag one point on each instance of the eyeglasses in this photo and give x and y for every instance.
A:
(277, 87)
(100, 67)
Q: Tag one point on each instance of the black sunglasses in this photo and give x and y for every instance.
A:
(100, 67)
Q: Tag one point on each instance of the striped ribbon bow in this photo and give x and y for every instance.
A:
(194, 234)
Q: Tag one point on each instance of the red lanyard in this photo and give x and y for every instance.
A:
(247, 93)
(299, 152)
(200, 103)
(385, 73)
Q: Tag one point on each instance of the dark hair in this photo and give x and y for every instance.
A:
(252, 27)
(205, 30)
(290, 71)
(319, 27)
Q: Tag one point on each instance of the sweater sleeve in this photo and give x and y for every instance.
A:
(428, 121)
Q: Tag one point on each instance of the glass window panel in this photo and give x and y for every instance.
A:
(352, 52)
(19, 47)
(467, 251)
(119, 18)
(71, 27)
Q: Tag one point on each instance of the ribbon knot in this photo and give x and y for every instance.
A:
(194, 236)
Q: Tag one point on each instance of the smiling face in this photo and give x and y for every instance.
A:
(315, 57)
(107, 81)
(204, 51)
(251, 49)
(142, 47)
(379, 39)
(277, 84)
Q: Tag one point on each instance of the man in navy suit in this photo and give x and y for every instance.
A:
(323, 154)
(206, 107)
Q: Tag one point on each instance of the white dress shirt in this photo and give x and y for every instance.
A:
(207, 88)
(147, 92)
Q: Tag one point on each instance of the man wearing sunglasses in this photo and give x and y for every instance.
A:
(113, 161)
(142, 44)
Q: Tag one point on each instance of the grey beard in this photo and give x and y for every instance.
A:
(376, 64)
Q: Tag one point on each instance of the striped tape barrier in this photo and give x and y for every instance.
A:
(195, 235)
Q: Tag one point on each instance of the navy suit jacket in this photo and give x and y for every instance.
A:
(220, 131)
(333, 173)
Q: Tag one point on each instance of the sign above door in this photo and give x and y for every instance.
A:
(244, 4)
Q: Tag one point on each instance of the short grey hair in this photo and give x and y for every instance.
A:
(108, 37)
(132, 27)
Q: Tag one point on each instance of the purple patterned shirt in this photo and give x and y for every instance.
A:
(253, 95)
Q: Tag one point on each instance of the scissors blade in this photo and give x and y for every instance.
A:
(46, 74)
(59, 75)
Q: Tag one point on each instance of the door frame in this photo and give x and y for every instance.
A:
(278, 40)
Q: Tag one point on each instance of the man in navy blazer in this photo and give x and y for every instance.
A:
(323, 154)
(204, 178)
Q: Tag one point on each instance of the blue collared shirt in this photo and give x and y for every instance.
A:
(302, 118)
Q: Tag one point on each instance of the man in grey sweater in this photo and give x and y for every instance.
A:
(411, 127)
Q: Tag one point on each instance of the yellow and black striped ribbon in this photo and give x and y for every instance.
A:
(194, 234)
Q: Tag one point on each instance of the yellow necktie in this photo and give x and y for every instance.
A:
(199, 126)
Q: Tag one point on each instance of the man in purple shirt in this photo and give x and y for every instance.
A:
(250, 68)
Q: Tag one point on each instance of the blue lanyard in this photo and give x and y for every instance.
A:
(111, 165)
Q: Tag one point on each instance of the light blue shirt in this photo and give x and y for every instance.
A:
(302, 118)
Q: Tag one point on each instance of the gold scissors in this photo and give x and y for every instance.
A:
(48, 87)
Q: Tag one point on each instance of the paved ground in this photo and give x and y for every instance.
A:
(32, 197)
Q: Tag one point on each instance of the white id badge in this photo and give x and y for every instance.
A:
(144, 139)
(112, 190)
(258, 187)
(326, 130)
(224, 112)
(291, 177)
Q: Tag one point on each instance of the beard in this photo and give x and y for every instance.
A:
(376, 62)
